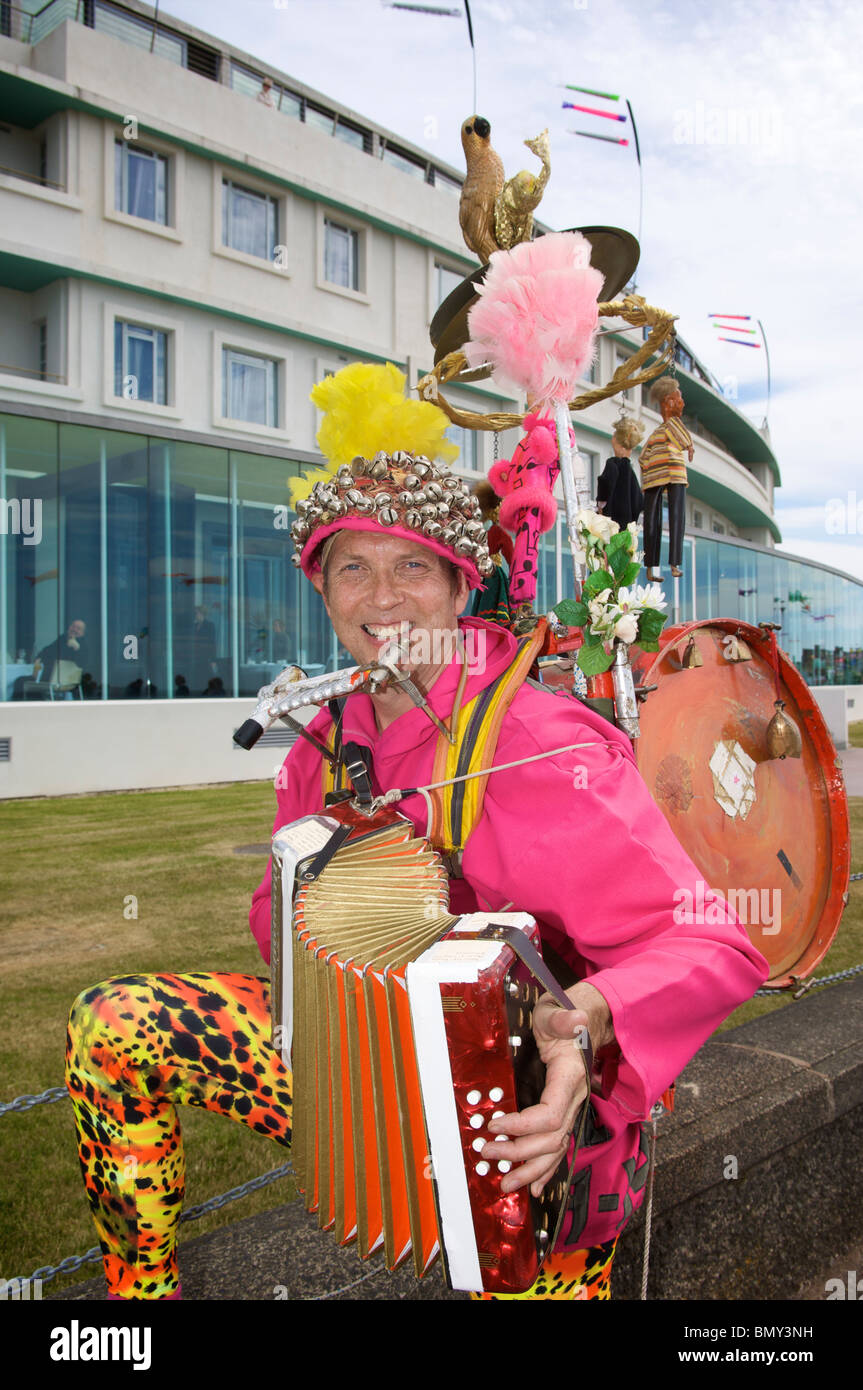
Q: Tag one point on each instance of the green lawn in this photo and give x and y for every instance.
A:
(70, 865)
(855, 734)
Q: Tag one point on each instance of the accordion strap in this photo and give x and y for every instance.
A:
(475, 728)
(457, 809)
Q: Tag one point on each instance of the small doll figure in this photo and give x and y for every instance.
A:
(526, 484)
(663, 466)
(492, 602)
(618, 495)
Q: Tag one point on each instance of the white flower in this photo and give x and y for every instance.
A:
(600, 527)
(650, 596)
(626, 628)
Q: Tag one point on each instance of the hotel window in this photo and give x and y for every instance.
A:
(249, 388)
(446, 281)
(442, 180)
(405, 162)
(140, 182)
(341, 255)
(718, 528)
(249, 221)
(697, 519)
(140, 363)
(468, 460)
(42, 328)
(633, 395)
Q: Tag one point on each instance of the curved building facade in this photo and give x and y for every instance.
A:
(177, 269)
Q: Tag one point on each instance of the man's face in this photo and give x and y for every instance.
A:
(381, 589)
(76, 629)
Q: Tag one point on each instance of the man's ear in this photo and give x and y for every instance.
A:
(318, 585)
(462, 590)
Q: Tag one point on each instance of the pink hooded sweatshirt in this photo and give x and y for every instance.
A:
(577, 841)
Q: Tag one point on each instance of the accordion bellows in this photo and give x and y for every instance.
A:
(410, 1030)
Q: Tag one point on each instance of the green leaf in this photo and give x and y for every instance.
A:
(647, 646)
(621, 541)
(571, 612)
(593, 659)
(650, 625)
(631, 573)
(619, 562)
(596, 583)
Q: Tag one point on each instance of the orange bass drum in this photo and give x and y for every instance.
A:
(771, 834)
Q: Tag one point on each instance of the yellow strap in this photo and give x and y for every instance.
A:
(458, 808)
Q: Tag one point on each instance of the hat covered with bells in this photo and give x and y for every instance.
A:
(381, 475)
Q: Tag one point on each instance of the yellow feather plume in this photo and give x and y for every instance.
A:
(365, 411)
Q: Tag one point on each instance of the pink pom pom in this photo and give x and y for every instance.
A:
(536, 317)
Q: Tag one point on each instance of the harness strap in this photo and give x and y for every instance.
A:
(457, 809)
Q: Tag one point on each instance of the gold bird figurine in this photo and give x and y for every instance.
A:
(519, 198)
(483, 183)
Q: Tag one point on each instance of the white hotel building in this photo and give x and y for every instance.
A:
(180, 261)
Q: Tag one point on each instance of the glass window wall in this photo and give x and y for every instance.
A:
(135, 568)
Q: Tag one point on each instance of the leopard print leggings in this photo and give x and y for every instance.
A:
(138, 1046)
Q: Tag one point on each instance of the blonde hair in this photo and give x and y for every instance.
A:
(665, 386)
(628, 432)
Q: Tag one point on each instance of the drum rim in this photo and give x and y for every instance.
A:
(834, 784)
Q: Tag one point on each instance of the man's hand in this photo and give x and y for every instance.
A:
(537, 1138)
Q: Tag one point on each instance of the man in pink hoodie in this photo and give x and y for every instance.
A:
(565, 830)
(572, 836)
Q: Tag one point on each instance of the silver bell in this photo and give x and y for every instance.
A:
(414, 519)
(388, 516)
(432, 529)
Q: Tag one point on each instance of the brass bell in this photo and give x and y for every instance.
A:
(783, 735)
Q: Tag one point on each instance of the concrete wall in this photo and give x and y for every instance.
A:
(63, 747)
(840, 706)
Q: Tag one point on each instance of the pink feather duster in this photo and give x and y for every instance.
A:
(536, 318)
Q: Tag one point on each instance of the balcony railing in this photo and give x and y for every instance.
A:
(32, 373)
(30, 25)
(29, 176)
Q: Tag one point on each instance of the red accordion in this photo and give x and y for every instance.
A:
(407, 1029)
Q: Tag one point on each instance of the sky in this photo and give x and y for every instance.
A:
(749, 116)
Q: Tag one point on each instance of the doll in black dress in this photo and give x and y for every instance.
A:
(618, 493)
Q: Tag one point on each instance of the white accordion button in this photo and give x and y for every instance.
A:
(501, 1138)
(495, 1094)
(478, 1145)
(476, 1121)
(497, 1114)
(482, 1169)
(474, 1097)
(504, 1166)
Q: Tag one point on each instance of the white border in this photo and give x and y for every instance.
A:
(343, 219)
(255, 185)
(176, 173)
(112, 310)
(223, 338)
